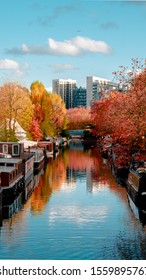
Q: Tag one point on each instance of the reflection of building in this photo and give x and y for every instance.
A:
(79, 97)
(65, 89)
(70, 177)
(89, 181)
(96, 87)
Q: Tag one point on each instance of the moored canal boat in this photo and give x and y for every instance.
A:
(27, 166)
(16, 151)
(136, 187)
(48, 147)
(39, 159)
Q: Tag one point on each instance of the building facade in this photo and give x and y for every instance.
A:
(79, 97)
(65, 89)
(96, 87)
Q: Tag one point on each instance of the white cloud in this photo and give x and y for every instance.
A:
(76, 46)
(77, 214)
(9, 64)
(15, 68)
(63, 48)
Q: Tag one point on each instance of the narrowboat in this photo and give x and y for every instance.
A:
(14, 149)
(48, 147)
(11, 162)
(27, 166)
(136, 187)
(39, 159)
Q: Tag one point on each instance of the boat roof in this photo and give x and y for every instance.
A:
(28, 143)
(7, 169)
(7, 143)
(26, 155)
(10, 160)
(36, 150)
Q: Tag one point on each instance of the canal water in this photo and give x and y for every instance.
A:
(77, 211)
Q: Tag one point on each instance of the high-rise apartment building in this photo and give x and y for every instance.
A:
(79, 97)
(65, 89)
(96, 87)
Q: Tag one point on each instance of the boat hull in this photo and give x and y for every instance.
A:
(136, 188)
(38, 165)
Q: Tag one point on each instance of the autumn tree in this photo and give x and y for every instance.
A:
(78, 118)
(17, 106)
(49, 110)
(55, 115)
(123, 115)
(99, 112)
(125, 76)
(134, 108)
(35, 130)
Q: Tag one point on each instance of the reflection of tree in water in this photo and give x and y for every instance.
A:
(79, 160)
(50, 181)
(55, 175)
(101, 172)
(57, 172)
(40, 195)
(103, 177)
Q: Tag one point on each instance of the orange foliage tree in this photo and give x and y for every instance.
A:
(49, 111)
(55, 114)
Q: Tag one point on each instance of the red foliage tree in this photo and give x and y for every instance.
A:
(123, 115)
(35, 130)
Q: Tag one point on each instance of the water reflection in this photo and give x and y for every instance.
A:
(139, 214)
(79, 211)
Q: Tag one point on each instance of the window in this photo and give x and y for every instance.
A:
(5, 148)
(15, 150)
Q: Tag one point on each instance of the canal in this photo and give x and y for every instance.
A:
(77, 211)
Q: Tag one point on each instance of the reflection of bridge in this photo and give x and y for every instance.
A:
(78, 134)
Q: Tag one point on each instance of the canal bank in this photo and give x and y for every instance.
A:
(76, 211)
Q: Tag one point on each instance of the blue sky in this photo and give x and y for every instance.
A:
(48, 39)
